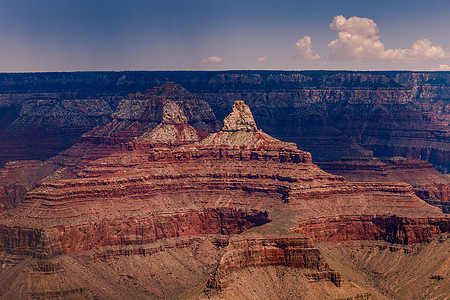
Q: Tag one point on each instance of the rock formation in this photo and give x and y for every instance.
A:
(240, 119)
(19, 177)
(173, 130)
(154, 107)
(428, 184)
(393, 229)
(330, 114)
(230, 203)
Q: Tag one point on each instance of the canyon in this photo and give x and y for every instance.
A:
(159, 199)
(332, 114)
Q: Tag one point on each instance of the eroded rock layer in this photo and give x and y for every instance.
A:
(286, 251)
(168, 192)
(393, 229)
(169, 106)
(68, 239)
(331, 114)
(428, 184)
(19, 177)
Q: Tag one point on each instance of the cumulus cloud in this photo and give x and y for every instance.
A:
(304, 49)
(356, 26)
(212, 59)
(421, 50)
(443, 67)
(263, 58)
(358, 40)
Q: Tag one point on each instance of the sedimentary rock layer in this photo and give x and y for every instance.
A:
(162, 186)
(428, 184)
(295, 252)
(19, 177)
(390, 228)
(331, 114)
(68, 239)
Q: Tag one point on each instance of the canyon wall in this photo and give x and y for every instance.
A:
(428, 184)
(331, 114)
(70, 239)
(171, 205)
(393, 229)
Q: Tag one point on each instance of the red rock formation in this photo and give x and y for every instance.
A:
(428, 184)
(331, 114)
(173, 130)
(19, 177)
(286, 251)
(349, 114)
(163, 185)
(393, 229)
(68, 239)
(136, 117)
(297, 252)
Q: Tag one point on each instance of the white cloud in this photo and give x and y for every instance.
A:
(356, 26)
(421, 50)
(212, 59)
(263, 58)
(443, 68)
(304, 50)
(358, 40)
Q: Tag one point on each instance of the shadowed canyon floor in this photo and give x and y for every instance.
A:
(172, 211)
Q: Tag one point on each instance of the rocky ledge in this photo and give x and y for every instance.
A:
(389, 228)
(428, 184)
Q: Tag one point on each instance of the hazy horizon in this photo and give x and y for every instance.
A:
(226, 70)
(203, 35)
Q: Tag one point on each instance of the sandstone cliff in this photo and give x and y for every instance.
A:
(19, 177)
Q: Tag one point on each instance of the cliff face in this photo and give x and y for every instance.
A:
(48, 120)
(139, 231)
(47, 125)
(19, 177)
(229, 202)
(430, 92)
(39, 125)
(292, 252)
(337, 122)
(331, 114)
(393, 229)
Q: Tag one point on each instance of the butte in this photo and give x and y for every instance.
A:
(180, 213)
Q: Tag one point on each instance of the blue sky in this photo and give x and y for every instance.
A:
(63, 35)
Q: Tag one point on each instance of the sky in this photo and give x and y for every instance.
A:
(84, 35)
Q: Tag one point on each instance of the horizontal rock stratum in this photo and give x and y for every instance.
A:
(206, 208)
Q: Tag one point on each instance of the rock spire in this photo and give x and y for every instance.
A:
(240, 119)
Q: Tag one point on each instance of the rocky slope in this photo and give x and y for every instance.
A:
(174, 207)
(417, 271)
(428, 184)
